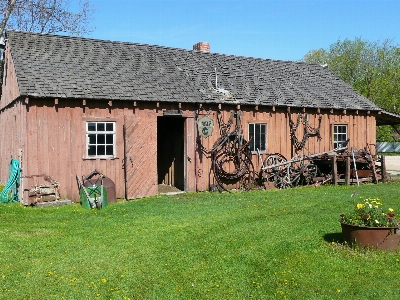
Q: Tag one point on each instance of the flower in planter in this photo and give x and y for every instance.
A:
(370, 213)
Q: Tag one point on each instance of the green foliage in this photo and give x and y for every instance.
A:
(386, 134)
(371, 68)
(370, 213)
(255, 245)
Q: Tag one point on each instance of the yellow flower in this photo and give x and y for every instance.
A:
(104, 280)
(391, 210)
(360, 206)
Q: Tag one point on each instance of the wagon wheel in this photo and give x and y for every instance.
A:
(295, 167)
(308, 172)
(283, 180)
(302, 170)
(270, 170)
(295, 176)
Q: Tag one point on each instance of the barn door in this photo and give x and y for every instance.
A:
(140, 156)
(170, 151)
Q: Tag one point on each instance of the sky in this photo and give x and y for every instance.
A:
(270, 29)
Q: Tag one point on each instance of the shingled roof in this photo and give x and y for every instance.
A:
(71, 67)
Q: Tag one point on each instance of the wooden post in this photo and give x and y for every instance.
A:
(383, 169)
(334, 170)
(347, 175)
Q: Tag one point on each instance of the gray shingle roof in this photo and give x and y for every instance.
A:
(60, 66)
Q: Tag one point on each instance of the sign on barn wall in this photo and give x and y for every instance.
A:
(205, 126)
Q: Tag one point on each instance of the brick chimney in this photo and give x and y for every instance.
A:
(202, 46)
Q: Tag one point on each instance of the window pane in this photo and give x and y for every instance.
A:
(101, 150)
(109, 126)
(109, 139)
(251, 129)
(252, 144)
(101, 127)
(92, 151)
(92, 139)
(101, 139)
(263, 129)
(262, 141)
(109, 150)
(91, 126)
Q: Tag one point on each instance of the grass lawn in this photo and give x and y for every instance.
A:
(280, 244)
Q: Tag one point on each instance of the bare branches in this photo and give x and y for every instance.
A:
(7, 12)
(47, 16)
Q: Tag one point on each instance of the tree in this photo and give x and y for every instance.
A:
(371, 68)
(45, 16)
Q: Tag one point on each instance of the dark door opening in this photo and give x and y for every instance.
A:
(170, 151)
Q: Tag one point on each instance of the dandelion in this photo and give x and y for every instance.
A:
(338, 291)
(104, 280)
(391, 210)
(360, 206)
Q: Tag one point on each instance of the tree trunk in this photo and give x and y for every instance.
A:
(9, 10)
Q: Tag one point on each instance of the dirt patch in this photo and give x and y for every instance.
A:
(167, 189)
(392, 163)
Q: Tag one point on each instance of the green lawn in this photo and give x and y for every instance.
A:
(281, 244)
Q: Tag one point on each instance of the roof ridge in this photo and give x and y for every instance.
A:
(155, 46)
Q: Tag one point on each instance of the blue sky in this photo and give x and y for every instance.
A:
(273, 29)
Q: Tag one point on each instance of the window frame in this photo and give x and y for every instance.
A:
(253, 143)
(335, 135)
(106, 143)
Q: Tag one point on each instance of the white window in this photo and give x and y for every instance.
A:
(339, 135)
(100, 139)
(258, 136)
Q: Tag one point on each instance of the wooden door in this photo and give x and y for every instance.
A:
(140, 156)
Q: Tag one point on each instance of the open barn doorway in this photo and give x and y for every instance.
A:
(170, 152)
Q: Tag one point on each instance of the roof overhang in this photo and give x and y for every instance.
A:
(387, 118)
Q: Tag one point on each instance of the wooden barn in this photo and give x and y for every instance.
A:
(147, 115)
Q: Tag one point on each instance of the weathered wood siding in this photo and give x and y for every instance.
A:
(13, 134)
(10, 90)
